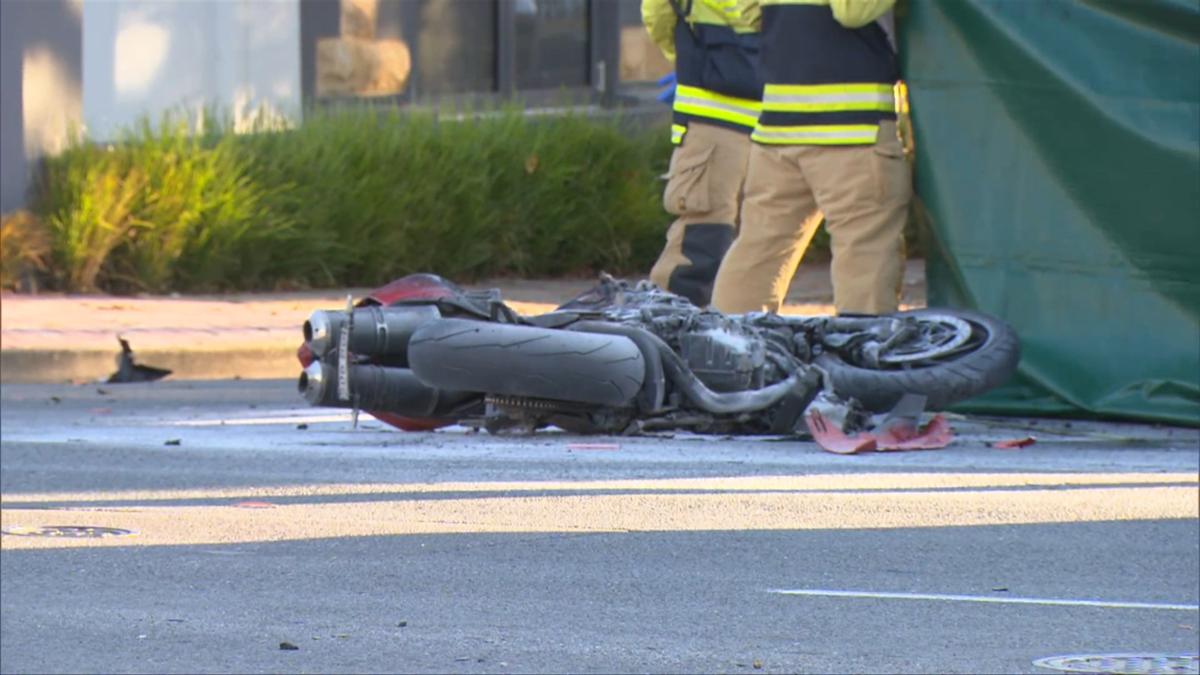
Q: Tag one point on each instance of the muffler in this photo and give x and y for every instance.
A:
(375, 330)
(394, 390)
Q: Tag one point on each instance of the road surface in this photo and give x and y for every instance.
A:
(257, 521)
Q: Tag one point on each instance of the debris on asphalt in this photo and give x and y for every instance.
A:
(102, 392)
(174, 441)
(757, 664)
(402, 624)
(1014, 443)
(55, 399)
(129, 370)
(301, 426)
(933, 436)
(287, 646)
(897, 436)
(1000, 589)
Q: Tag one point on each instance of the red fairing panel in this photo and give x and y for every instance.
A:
(412, 287)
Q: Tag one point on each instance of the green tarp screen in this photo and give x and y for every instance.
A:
(1058, 168)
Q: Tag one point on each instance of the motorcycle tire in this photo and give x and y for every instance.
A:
(989, 363)
(527, 361)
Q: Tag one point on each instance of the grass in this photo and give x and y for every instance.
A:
(353, 197)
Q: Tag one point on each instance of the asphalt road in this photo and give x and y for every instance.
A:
(257, 521)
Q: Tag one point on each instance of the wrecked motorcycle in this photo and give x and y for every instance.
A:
(628, 358)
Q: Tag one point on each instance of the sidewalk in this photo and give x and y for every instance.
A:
(53, 338)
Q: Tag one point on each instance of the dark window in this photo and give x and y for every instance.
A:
(551, 43)
(453, 43)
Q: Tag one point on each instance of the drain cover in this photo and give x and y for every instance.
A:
(1119, 664)
(71, 531)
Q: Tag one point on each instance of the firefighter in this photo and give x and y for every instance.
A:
(715, 108)
(825, 145)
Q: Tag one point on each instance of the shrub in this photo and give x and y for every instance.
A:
(160, 210)
(354, 197)
(24, 250)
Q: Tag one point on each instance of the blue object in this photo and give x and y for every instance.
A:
(667, 95)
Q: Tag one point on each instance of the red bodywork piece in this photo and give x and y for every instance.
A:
(1015, 443)
(896, 436)
(411, 287)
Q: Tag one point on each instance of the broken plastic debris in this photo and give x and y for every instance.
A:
(831, 438)
(1015, 443)
(936, 434)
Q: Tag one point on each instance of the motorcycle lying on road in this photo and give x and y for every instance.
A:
(628, 358)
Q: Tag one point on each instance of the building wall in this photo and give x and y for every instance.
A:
(40, 74)
(142, 57)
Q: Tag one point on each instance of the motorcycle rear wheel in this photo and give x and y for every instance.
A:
(527, 361)
(988, 358)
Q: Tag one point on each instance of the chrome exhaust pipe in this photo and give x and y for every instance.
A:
(375, 331)
(380, 388)
(315, 384)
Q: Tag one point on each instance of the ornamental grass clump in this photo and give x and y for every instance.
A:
(354, 197)
(161, 209)
(393, 192)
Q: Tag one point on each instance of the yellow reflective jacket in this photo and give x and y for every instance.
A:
(660, 18)
(716, 62)
(828, 69)
(849, 13)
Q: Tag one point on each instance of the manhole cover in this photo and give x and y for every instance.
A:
(1138, 664)
(69, 531)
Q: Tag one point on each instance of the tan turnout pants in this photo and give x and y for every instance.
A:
(863, 194)
(704, 184)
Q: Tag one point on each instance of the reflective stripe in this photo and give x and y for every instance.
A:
(883, 99)
(704, 103)
(823, 134)
(819, 89)
(829, 97)
(677, 132)
(726, 7)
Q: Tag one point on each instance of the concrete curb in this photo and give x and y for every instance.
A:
(44, 366)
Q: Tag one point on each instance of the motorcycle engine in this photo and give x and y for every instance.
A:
(724, 355)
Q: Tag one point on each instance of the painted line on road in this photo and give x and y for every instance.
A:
(986, 598)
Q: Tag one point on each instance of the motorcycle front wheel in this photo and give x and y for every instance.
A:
(977, 353)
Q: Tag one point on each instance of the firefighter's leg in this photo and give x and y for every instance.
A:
(703, 187)
(864, 192)
(779, 218)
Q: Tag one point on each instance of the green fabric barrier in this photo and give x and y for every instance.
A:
(1058, 168)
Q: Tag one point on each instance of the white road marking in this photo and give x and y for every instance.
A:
(986, 598)
(259, 421)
